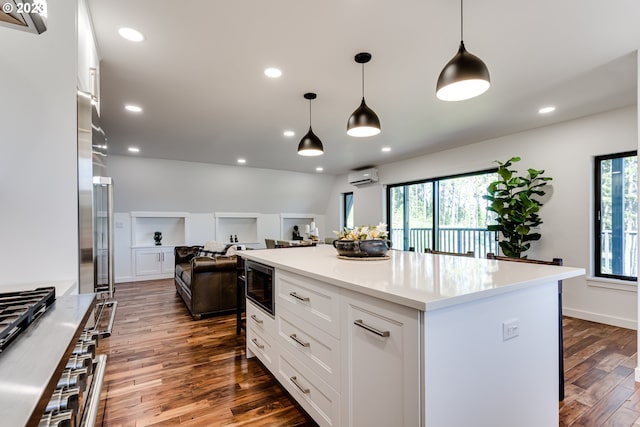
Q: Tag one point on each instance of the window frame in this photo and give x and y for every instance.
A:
(597, 220)
(434, 199)
(345, 212)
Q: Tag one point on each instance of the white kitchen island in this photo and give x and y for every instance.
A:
(416, 340)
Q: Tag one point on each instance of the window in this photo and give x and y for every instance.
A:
(347, 210)
(616, 209)
(446, 214)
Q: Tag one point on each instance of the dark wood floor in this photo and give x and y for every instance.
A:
(164, 369)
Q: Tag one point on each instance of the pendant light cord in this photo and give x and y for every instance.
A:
(363, 81)
(309, 114)
(461, 22)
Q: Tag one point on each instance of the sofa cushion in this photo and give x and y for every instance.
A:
(181, 268)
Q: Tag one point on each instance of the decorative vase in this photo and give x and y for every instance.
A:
(362, 248)
(157, 237)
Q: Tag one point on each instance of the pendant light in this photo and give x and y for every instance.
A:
(364, 121)
(310, 144)
(464, 77)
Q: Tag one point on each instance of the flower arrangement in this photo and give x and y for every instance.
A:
(365, 232)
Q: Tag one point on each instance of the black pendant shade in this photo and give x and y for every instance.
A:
(363, 121)
(465, 76)
(310, 144)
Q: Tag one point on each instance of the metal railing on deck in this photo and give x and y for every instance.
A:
(450, 239)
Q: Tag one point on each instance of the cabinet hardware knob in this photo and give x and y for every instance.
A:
(296, 296)
(378, 332)
(296, 339)
(255, 341)
(255, 319)
(295, 382)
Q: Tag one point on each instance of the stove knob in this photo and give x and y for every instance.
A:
(80, 361)
(88, 347)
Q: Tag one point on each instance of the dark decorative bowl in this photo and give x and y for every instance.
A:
(362, 248)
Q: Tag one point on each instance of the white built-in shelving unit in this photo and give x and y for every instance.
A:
(244, 225)
(288, 220)
(151, 261)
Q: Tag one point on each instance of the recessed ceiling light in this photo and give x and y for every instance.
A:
(546, 110)
(133, 108)
(274, 73)
(289, 133)
(134, 149)
(131, 34)
(319, 169)
(386, 149)
(242, 161)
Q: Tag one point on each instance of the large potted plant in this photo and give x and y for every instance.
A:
(515, 201)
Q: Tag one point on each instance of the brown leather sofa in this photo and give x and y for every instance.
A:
(207, 285)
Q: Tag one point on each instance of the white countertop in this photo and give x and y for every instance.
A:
(421, 281)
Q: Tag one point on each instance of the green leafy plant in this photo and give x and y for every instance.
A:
(513, 199)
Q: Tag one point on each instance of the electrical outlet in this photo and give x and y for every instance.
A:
(510, 329)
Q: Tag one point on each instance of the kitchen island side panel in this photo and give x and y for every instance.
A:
(475, 377)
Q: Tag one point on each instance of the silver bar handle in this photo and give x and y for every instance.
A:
(255, 319)
(93, 399)
(296, 296)
(378, 332)
(296, 339)
(295, 382)
(255, 341)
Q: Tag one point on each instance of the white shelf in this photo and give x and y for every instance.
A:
(288, 220)
(244, 225)
(172, 225)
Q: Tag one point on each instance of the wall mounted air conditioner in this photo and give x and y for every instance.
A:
(363, 177)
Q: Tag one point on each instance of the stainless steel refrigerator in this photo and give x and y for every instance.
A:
(95, 215)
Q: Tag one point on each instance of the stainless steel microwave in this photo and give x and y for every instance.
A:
(259, 285)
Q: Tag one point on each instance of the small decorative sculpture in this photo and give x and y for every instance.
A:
(235, 238)
(157, 237)
(231, 238)
(296, 233)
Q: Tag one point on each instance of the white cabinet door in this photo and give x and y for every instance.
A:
(167, 260)
(381, 379)
(148, 262)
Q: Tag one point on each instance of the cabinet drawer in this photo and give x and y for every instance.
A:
(262, 346)
(314, 301)
(320, 400)
(259, 320)
(315, 348)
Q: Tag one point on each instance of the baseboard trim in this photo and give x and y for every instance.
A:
(601, 318)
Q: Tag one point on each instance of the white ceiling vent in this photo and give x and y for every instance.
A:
(363, 177)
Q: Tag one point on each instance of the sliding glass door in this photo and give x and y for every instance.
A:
(446, 214)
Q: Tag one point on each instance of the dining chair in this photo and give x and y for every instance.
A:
(271, 243)
(469, 254)
(283, 243)
(554, 261)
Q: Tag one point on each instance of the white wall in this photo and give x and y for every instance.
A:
(38, 192)
(565, 151)
(143, 184)
(167, 185)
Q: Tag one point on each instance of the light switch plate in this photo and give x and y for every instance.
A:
(510, 329)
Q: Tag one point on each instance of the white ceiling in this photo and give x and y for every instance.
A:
(199, 74)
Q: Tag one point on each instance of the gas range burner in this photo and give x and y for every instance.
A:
(19, 309)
